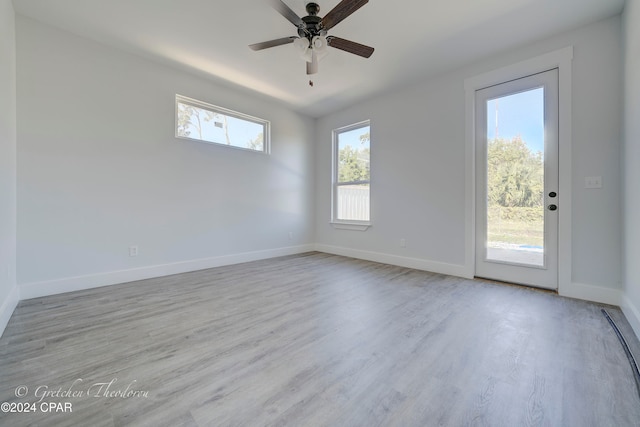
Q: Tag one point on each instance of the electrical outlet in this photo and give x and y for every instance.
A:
(133, 251)
(403, 243)
(291, 235)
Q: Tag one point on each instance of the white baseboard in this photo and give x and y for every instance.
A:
(632, 313)
(591, 293)
(70, 284)
(7, 308)
(416, 263)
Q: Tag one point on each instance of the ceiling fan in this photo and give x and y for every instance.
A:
(312, 40)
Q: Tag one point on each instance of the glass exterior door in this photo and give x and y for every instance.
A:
(517, 181)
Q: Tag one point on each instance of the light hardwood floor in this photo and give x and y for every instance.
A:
(318, 340)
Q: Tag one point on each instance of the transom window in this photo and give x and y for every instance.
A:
(352, 174)
(204, 122)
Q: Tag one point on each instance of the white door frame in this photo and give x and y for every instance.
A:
(561, 59)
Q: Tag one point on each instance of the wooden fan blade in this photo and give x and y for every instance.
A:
(349, 46)
(286, 11)
(340, 12)
(312, 67)
(272, 43)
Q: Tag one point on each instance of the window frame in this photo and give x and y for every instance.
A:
(266, 125)
(348, 224)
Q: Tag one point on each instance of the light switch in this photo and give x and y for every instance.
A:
(593, 182)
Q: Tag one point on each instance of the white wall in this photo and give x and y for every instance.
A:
(99, 169)
(417, 175)
(631, 166)
(418, 164)
(8, 290)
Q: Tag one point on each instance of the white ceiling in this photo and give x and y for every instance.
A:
(412, 38)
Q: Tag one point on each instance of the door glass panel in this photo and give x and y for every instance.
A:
(515, 178)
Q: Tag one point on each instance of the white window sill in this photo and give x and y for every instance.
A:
(355, 226)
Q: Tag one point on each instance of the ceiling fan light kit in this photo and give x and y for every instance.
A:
(319, 45)
(302, 45)
(312, 40)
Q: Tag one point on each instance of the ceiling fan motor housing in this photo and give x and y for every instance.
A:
(313, 26)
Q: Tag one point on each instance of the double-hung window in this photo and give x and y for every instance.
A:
(352, 174)
(209, 123)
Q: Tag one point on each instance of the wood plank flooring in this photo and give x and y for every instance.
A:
(316, 340)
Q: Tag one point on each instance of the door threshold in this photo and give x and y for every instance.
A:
(519, 285)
